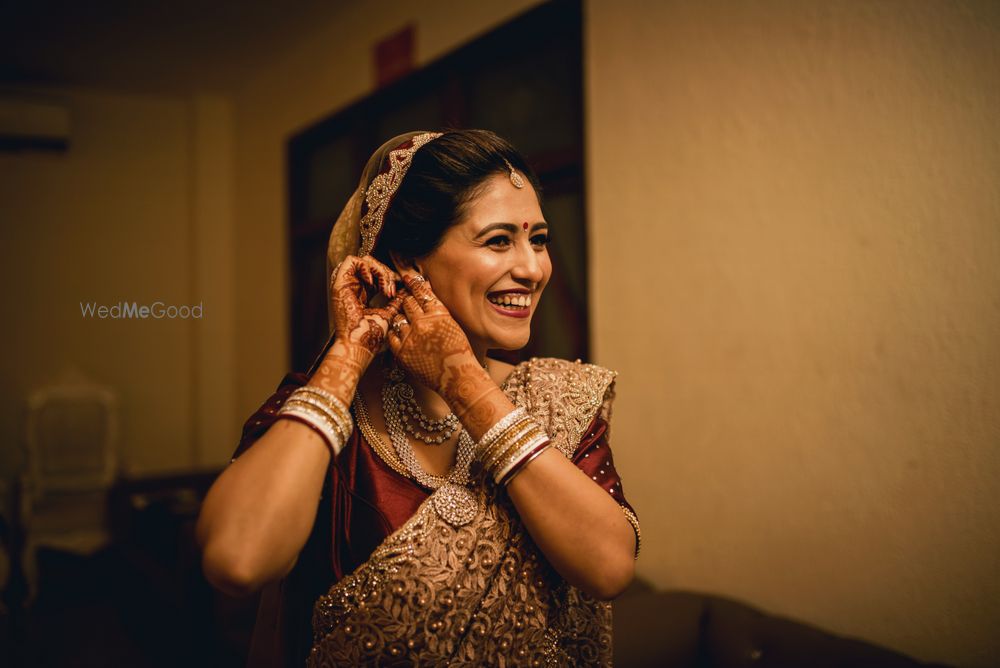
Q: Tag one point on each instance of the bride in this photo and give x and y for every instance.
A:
(411, 500)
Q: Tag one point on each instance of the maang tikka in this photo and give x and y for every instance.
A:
(515, 178)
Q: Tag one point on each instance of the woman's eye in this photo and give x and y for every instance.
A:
(540, 240)
(499, 242)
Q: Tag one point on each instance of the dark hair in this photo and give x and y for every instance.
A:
(444, 176)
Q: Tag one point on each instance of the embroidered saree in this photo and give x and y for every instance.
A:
(383, 580)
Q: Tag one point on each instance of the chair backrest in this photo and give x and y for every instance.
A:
(72, 434)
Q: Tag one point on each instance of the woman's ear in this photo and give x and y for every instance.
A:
(401, 264)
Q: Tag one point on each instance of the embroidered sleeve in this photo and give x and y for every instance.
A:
(572, 401)
(266, 415)
(594, 457)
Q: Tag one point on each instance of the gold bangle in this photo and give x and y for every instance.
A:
(498, 443)
(634, 521)
(514, 433)
(335, 405)
(317, 420)
(341, 418)
(506, 447)
(494, 433)
(310, 405)
(326, 394)
(505, 466)
(520, 466)
(341, 425)
(503, 461)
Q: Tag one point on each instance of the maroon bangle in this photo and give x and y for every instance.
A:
(317, 430)
(527, 459)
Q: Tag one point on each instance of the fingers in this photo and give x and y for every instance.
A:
(382, 276)
(411, 307)
(399, 328)
(390, 310)
(395, 342)
(420, 288)
(370, 271)
(364, 270)
(417, 285)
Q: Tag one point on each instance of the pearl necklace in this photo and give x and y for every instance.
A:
(430, 431)
(451, 499)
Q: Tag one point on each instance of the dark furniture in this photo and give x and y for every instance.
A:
(683, 629)
(145, 603)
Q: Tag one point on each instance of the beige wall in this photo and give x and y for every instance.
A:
(136, 210)
(796, 270)
(793, 218)
(795, 264)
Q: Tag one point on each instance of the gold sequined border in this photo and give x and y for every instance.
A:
(383, 187)
(634, 521)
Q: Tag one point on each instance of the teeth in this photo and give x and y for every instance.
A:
(516, 301)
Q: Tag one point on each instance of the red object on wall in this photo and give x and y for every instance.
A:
(394, 55)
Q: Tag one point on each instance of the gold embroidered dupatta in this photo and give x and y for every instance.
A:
(483, 593)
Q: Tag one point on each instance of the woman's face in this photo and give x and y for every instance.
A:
(492, 266)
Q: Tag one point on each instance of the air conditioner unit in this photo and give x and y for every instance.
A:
(33, 125)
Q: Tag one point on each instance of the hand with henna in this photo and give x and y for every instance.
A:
(431, 346)
(360, 330)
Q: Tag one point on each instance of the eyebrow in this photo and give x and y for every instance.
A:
(509, 227)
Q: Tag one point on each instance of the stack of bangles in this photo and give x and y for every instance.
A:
(510, 445)
(321, 410)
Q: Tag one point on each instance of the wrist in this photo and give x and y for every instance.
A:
(484, 405)
(463, 380)
(320, 410)
(350, 354)
(341, 370)
(512, 443)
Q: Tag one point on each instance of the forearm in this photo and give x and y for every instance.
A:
(260, 511)
(578, 526)
(472, 394)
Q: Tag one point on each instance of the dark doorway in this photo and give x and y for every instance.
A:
(523, 81)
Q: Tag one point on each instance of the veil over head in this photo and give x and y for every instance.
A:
(345, 238)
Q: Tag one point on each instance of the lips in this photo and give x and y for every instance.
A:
(513, 303)
(512, 300)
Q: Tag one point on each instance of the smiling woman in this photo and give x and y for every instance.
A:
(504, 266)
(418, 500)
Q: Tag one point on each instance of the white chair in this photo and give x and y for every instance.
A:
(71, 462)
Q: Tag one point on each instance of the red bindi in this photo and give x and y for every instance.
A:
(525, 226)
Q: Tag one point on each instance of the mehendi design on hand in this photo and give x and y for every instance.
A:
(434, 349)
(360, 331)
(461, 382)
(371, 338)
(338, 373)
(482, 415)
(435, 340)
(354, 322)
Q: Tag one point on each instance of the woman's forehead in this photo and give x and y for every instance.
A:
(500, 202)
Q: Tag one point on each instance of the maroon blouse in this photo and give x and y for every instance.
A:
(363, 501)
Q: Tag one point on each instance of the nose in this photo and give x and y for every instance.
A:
(527, 267)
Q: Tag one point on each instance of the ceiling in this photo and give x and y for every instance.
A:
(160, 46)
